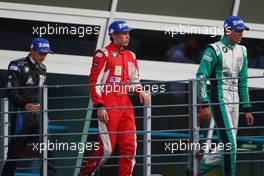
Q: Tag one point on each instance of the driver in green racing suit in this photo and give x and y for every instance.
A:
(226, 61)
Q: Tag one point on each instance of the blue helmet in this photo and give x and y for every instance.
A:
(118, 26)
(236, 23)
(41, 45)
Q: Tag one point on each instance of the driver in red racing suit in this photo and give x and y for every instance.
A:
(113, 66)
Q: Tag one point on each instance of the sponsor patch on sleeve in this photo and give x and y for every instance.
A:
(14, 67)
(95, 64)
(130, 68)
(98, 54)
(208, 58)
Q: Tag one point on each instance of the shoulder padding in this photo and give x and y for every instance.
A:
(20, 62)
(215, 47)
(133, 54)
(104, 50)
(244, 50)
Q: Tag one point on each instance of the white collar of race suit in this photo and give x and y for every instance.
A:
(32, 60)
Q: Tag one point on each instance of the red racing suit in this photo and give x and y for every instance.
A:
(112, 66)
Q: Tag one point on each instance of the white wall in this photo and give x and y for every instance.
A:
(149, 70)
(80, 65)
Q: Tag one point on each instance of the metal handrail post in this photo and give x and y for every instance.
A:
(195, 127)
(147, 141)
(4, 130)
(45, 128)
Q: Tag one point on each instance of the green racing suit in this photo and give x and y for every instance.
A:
(226, 64)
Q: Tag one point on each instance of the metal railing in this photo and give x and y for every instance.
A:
(148, 158)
